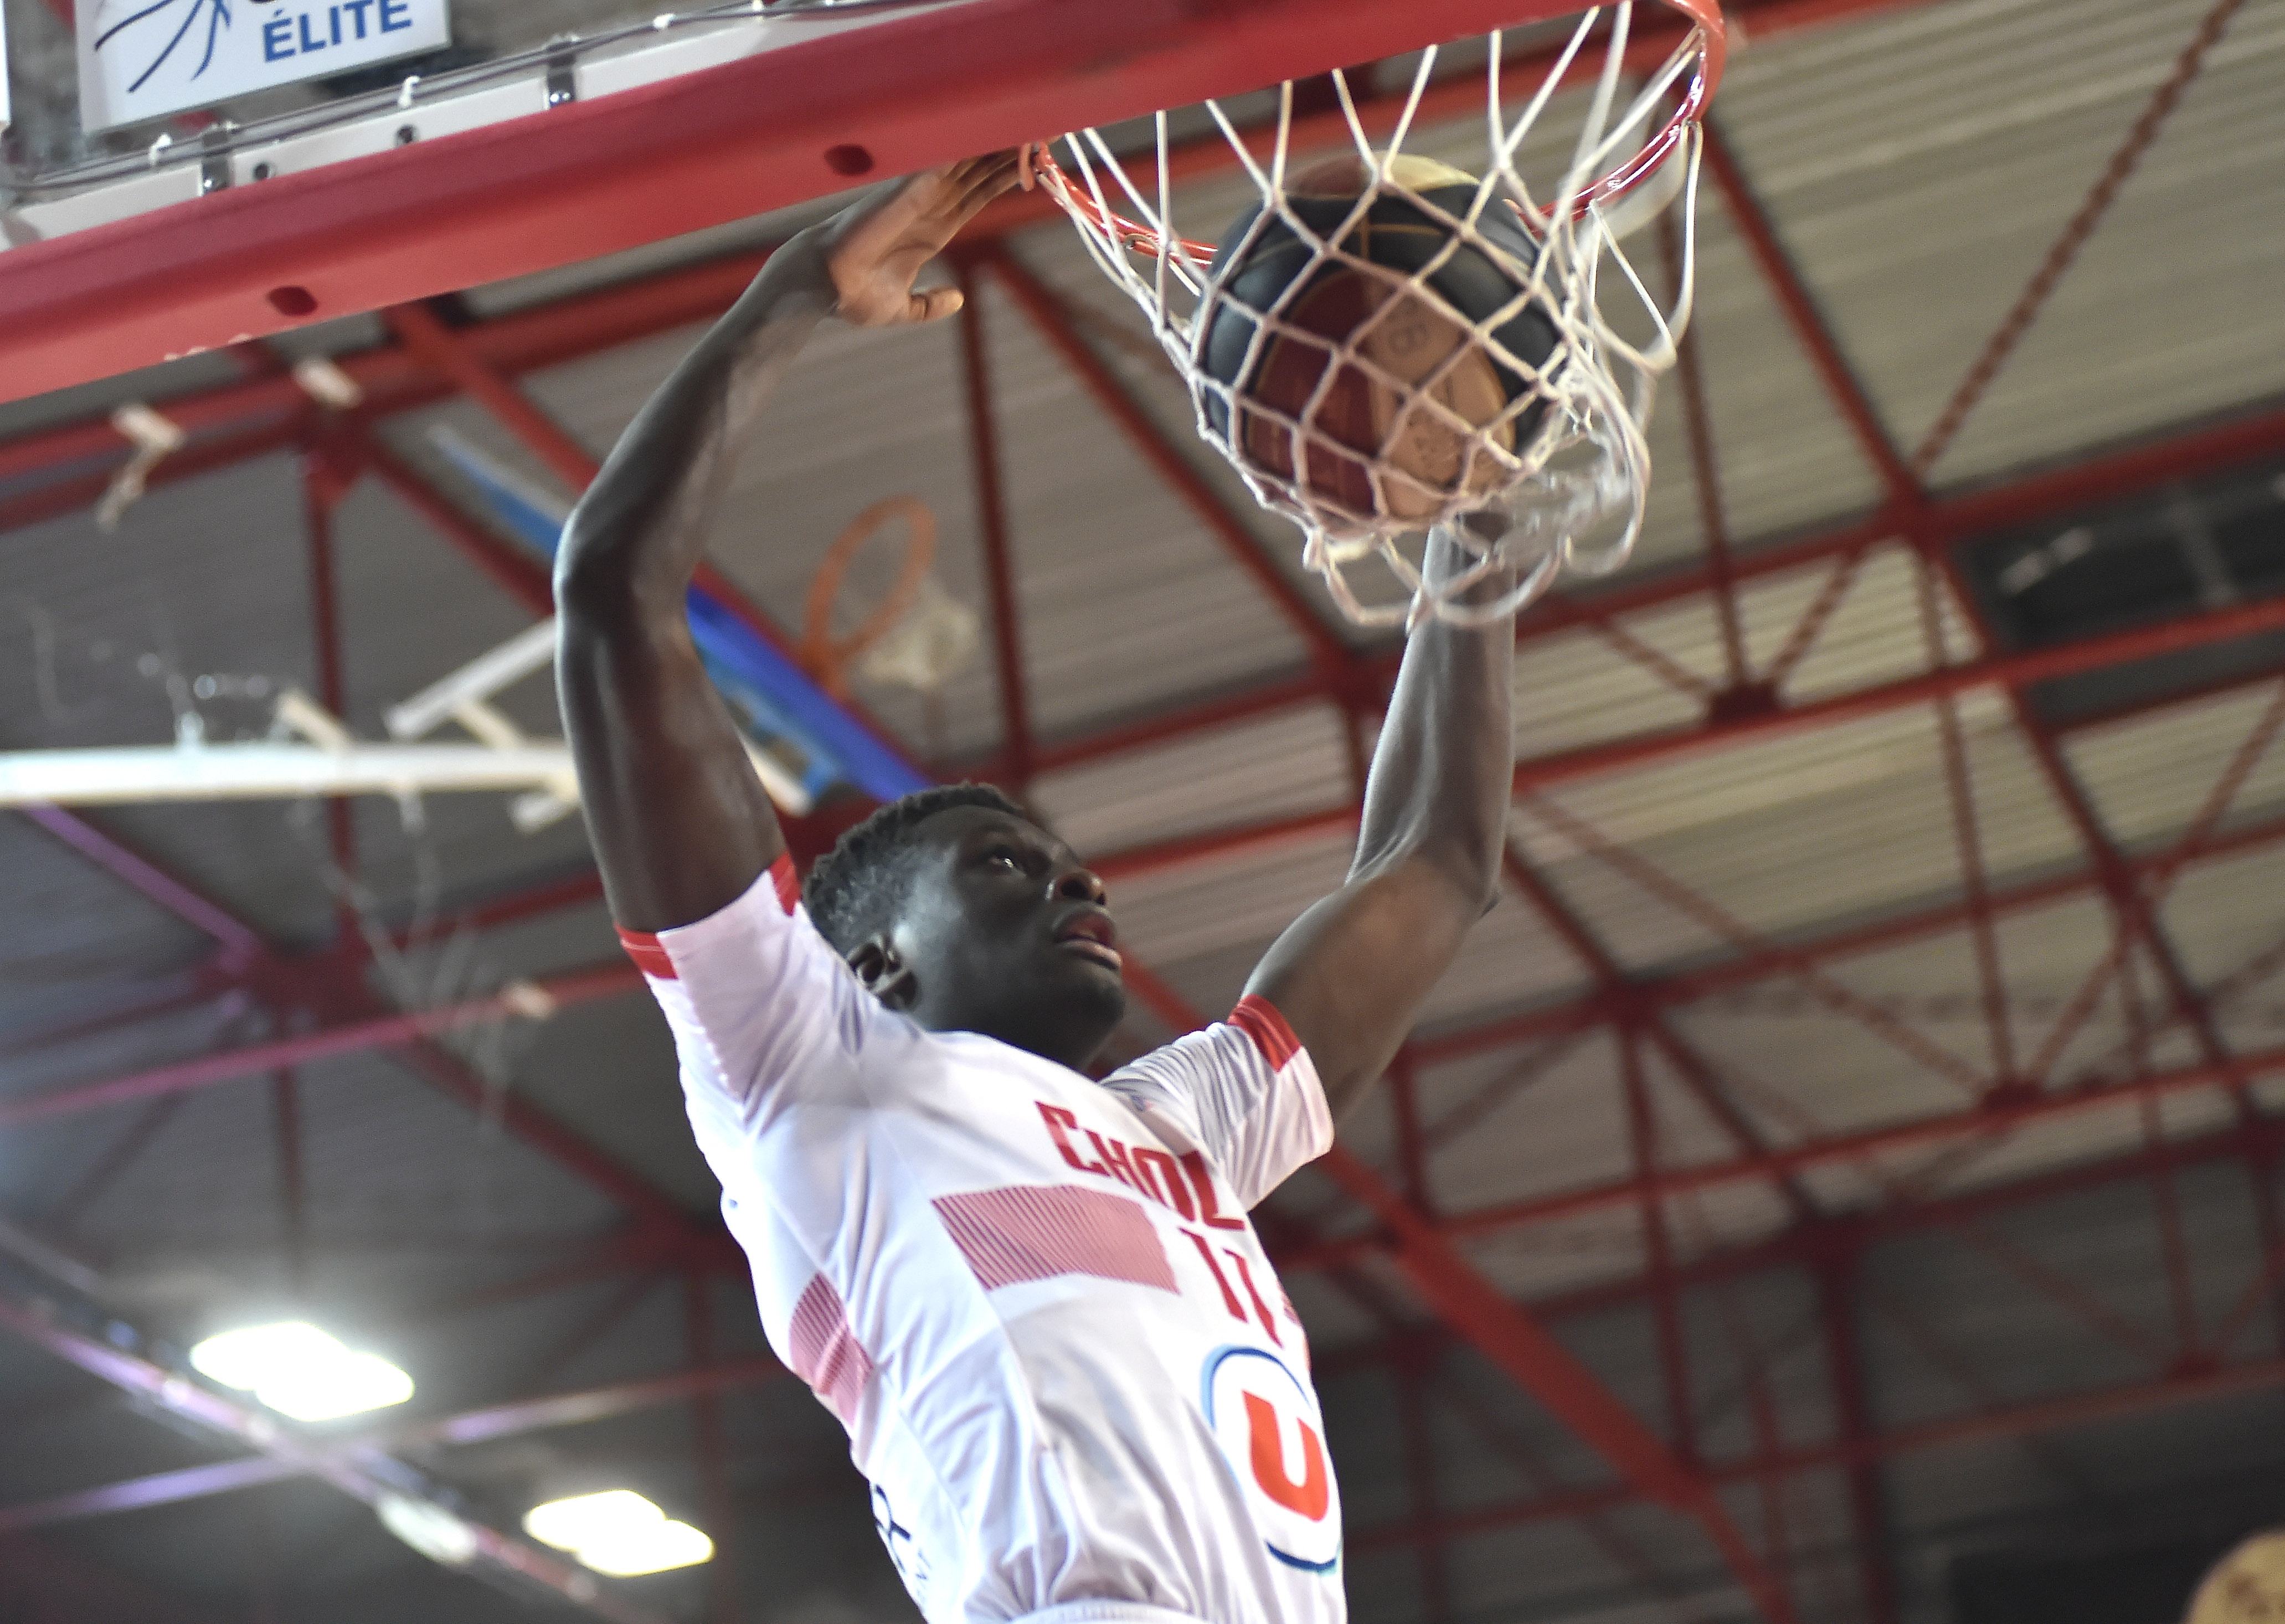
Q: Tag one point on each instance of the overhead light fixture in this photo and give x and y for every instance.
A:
(298, 1371)
(618, 1532)
(429, 1529)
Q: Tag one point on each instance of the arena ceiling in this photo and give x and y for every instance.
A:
(1869, 1078)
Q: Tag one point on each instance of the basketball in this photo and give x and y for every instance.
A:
(2246, 1587)
(1369, 416)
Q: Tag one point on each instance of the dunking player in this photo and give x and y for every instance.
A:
(1035, 1300)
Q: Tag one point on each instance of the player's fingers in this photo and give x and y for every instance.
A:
(961, 178)
(935, 304)
(988, 178)
(999, 177)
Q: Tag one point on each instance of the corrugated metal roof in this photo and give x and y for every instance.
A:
(1916, 164)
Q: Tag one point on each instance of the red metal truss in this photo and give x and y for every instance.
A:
(331, 986)
(2009, 1422)
(1423, 1238)
(985, 467)
(590, 177)
(496, 1421)
(363, 1476)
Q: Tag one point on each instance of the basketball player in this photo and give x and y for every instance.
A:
(1035, 1300)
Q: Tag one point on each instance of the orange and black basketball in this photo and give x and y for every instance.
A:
(1344, 312)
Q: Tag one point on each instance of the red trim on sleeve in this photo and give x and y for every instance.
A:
(1259, 1019)
(649, 954)
(788, 883)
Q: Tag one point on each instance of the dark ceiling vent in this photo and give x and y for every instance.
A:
(2201, 545)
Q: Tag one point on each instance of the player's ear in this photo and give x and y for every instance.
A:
(885, 976)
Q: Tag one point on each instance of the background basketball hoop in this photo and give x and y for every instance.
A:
(1521, 432)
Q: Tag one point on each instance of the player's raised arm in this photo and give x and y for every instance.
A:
(680, 822)
(1350, 975)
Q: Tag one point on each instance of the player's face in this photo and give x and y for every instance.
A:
(1004, 933)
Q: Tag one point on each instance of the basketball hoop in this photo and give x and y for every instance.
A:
(1468, 381)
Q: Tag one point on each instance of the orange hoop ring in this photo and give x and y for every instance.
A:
(823, 658)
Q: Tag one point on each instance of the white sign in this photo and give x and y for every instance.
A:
(138, 59)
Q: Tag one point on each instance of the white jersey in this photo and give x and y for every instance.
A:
(1035, 1300)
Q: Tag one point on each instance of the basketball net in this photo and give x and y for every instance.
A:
(1554, 481)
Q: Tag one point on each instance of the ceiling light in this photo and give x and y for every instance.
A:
(429, 1529)
(244, 1357)
(569, 1524)
(618, 1532)
(651, 1549)
(298, 1371)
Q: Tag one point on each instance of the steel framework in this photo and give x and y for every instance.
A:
(2195, 1359)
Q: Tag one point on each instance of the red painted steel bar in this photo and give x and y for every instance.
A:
(1724, 926)
(1840, 1150)
(1974, 886)
(2181, 1281)
(1618, 995)
(991, 524)
(1052, 318)
(2023, 667)
(2017, 1421)
(1524, 1350)
(240, 943)
(341, 995)
(1803, 315)
(1705, 475)
(611, 172)
(2074, 233)
(1814, 1247)
(1518, 1346)
(354, 1037)
(1868, 1498)
(1666, 1297)
(159, 1488)
(511, 1420)
(361, 1476)
(440, 350)
(523, 1416)
(511, 568)
(603, 980)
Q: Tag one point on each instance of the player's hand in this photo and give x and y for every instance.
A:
(876, 247)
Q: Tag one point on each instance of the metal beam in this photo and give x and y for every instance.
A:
(1528, 1353)
(1999, 1117)
(769, 127)
(2016, 1421)
(1516, 1343)
(1052, 317)
(523, 1000)
(476, 1426)
(985, 474)
(366, 1475)
(335, 987)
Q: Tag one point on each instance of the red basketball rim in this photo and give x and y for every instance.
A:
(1712, 34)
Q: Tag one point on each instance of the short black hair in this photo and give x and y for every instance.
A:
(854, 888)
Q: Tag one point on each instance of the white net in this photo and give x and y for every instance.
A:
(1387, 343)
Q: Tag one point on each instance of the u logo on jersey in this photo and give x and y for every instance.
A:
(1267, 1424)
